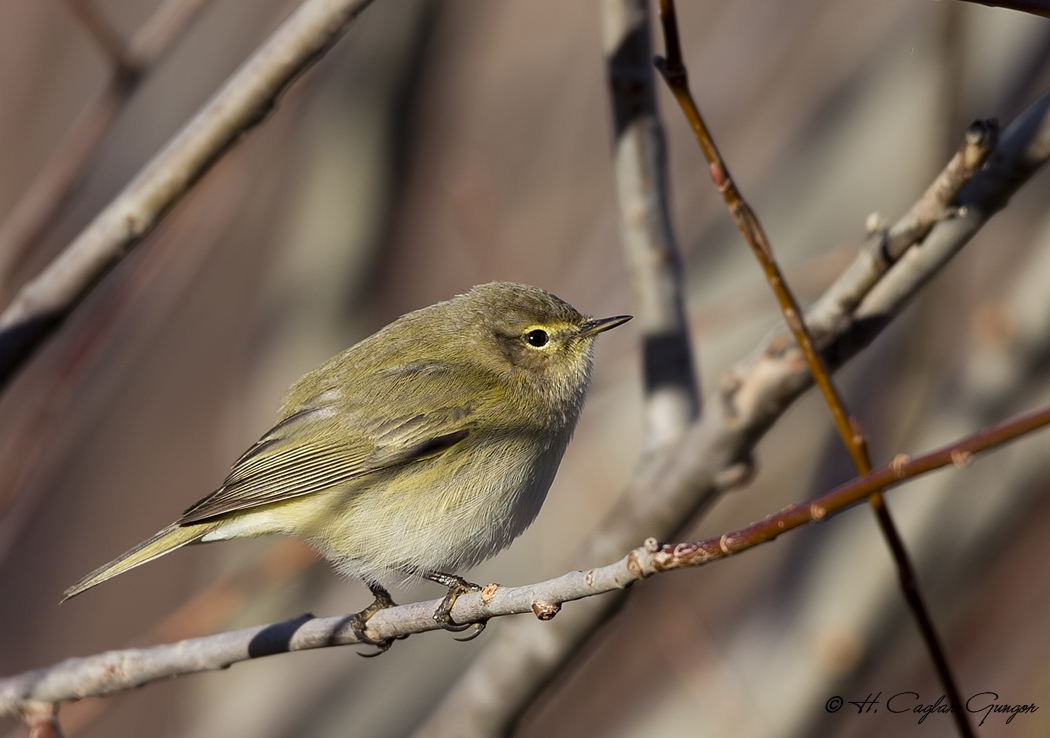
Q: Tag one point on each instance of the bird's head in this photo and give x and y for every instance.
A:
(540, 341)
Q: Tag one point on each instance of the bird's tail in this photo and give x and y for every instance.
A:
(173, 537)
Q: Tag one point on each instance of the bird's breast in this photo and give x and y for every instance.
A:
(449, 512)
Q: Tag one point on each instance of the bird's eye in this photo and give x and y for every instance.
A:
(537, 338)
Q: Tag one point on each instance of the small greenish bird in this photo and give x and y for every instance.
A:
(424, 449)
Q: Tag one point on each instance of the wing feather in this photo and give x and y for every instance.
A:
(344, 444)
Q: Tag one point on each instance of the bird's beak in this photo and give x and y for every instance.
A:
(599, 325)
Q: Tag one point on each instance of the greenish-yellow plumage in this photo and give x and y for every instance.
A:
(424, 449)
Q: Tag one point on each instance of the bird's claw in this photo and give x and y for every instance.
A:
(478, 627)
(443, 615)
(359, 623)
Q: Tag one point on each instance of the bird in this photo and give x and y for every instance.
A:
(420, 451)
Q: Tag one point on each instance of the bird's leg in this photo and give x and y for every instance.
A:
(359, 621)
(443, 615)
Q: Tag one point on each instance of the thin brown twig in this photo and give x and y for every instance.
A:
(113, 672)
(40, 204)
(849, 429)
(903, 467)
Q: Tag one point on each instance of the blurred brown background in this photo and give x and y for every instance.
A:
(443, 144)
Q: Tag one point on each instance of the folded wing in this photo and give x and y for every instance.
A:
(338, 435)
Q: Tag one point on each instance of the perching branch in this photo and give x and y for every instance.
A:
(523, 657)
(118, 671)
(243, 102)
(207, 611)
(40, 204)
(932, 205)
(640, 158)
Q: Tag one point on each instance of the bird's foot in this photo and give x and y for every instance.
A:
(443, 615)
(359, 622)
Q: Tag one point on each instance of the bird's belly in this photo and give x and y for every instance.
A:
(436, 515)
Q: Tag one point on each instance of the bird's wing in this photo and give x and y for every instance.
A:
(346, 440)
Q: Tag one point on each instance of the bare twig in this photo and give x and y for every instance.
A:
(523, 656)
(243, 102)
(37, 208)
(928, 209)
(1024, 147)
(935, 203)
(118, 671)
(886, 246)
(1035, 7)
(640, 156)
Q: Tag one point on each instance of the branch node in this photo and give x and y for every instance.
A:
(961, 458)
(638, 571)
(545, 610)
(981, 137)
(720, 176)
(488, 592)
(676, 76)
(899, 464)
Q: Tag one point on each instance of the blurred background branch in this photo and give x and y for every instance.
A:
(39, 205)
(640, 160)
(245, 100)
